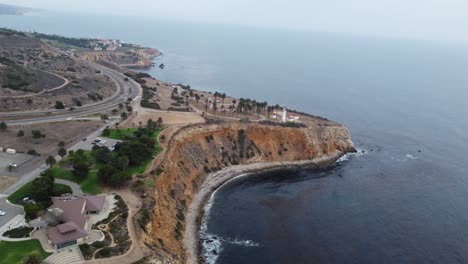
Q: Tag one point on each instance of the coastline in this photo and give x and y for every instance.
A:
(214, 181)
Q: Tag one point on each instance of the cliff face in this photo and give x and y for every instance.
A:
(132, 57)
(197, 151)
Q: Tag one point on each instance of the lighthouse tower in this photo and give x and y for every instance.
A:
(283, 116)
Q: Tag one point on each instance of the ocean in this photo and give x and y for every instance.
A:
(404, 200)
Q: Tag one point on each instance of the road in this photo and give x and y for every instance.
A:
(12, 211)
(125, 90)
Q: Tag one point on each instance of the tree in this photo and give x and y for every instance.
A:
(32, 259)
(105, 173)
(129, 108)
(59, 105)
(197, 98)
(123, 163)
(62, 152)
(119, 178)
(106, 132)
(32, 211)
(3, 126)
(61, 144)
(150, 124)
(81, 169)
(37, 134)
(223, 96)
(124, 115)
(104, 118)
(20, 133)
(102, 154)
(43, 187)
(50, 161)
(159, 122)
(215, 107)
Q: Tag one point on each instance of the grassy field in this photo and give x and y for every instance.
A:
(157, 149)
(26, 190)
(89, 185)
(121, 134)
(15, 252)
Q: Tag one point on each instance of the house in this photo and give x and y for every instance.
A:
(293, 118)
(68, 218)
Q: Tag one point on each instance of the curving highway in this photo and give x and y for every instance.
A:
(125, 90)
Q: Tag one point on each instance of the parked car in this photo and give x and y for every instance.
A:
(2, 213)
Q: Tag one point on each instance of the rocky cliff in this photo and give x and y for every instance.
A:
(196, 152)
(132, 57)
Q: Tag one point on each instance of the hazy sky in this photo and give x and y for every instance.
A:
(421, 19)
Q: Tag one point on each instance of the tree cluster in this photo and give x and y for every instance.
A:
(130, 153)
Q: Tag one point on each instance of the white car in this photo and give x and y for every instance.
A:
(2, 213)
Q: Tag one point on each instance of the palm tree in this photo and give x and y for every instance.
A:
(197, 98)
(223, 95)
(62, 152)
(50, 161)
(215, 107)
(159, 121)
(32, 259)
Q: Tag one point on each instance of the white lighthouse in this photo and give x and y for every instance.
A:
(283, 116)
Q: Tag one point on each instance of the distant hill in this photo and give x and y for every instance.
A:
(13, 10)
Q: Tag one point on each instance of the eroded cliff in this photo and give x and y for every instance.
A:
(198, 151)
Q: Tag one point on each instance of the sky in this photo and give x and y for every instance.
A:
(443, 20)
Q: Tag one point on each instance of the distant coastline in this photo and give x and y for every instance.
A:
(14, 10)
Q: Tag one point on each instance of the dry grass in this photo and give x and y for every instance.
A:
(169, 118)
(67, 132)
(5, 182)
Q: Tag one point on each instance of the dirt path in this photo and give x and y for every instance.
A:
(135, 252)
(66, 81)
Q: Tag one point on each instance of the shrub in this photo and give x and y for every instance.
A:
(33, 152)
(20, 232)
(59, 105)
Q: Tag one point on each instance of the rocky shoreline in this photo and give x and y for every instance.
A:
(214, 181)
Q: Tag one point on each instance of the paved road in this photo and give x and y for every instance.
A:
(125, 90)
(12, 211)
(76, 189)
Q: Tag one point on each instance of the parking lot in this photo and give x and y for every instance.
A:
(107, 142)
(10, 212)
(6, 159)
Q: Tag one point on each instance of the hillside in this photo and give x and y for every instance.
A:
(35, 75)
